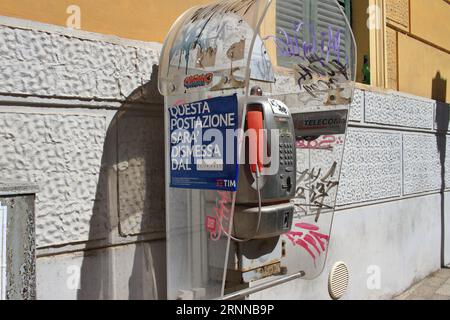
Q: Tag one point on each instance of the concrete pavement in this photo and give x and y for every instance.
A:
(435, 287)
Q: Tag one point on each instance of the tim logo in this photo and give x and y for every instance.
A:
(198, 80)
(225, 183)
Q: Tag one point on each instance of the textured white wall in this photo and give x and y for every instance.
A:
(63, 154)
(79, 114)
(62, 151)
(67, 64)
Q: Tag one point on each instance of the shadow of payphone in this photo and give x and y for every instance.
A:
(253, 150)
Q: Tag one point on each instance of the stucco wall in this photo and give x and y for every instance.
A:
(79, 114)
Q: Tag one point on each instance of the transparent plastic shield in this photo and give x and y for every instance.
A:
(221, 51)
(207, 54)
(315, 44)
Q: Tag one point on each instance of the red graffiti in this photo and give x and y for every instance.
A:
(198, 80)
(211, 224)
(308, 237)
(222, 215)
(322, 143)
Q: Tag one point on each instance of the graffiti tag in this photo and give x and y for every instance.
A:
(308, 237)
(321, 75)
(319, 186)
(198, 80)
(320, 65)
(322, 143)
(221, 216)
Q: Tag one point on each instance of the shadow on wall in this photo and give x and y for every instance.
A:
(439, 93)
(130, 202)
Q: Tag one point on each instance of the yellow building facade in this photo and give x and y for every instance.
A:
(409, 47)
(417, 38)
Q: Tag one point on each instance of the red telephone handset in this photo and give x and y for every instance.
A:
(255, 122)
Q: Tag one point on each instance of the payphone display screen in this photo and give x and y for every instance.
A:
(282, 124)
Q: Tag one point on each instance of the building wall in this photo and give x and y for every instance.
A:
(387, 246)
(416, 38)
(418, 47)
(81, 116)
(146, 20)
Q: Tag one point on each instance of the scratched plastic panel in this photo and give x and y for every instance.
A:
(209, 49)
(206, 55)
(319, 163)
(315, 41)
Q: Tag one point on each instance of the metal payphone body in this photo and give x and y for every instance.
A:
(277, 182)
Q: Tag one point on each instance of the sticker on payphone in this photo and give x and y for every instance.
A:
(201, 153)
(316, 124)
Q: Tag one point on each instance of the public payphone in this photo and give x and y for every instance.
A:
(253, 174)
(267, 176)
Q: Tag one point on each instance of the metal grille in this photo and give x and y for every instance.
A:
(338, 281)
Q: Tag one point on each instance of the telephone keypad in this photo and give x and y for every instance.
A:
(287, 163)
(287, 155)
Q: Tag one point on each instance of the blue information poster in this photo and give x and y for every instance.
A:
(203, 144)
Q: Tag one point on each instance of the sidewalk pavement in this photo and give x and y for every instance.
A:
(435, 287)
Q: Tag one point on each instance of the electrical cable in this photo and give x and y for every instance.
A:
(258, 175)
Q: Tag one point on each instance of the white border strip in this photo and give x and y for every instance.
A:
(84, 35)
(3, 225)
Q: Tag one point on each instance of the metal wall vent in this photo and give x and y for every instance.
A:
(338, 281)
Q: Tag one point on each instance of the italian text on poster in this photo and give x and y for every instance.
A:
(203, 144)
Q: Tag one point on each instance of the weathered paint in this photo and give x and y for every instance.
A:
(20, 248)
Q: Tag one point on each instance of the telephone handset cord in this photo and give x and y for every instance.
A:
(259, 211)
(258, 176)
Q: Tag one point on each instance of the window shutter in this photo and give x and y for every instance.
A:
(289, 12)
(324, 13)
(330, 15)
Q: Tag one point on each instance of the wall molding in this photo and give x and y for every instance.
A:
(80, 34)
